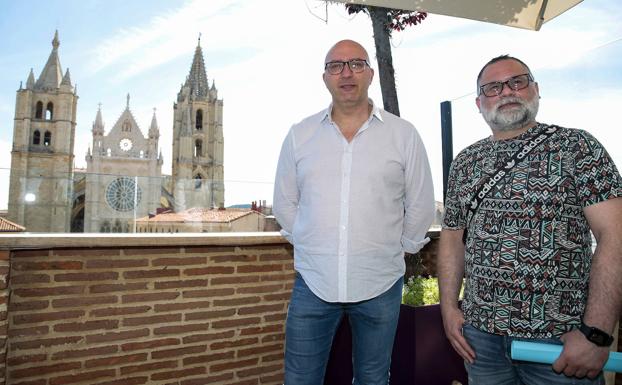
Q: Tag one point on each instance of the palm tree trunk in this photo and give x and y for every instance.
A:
(382, 40)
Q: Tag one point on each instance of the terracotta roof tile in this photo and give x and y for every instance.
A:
(198, 214)
(7, 226)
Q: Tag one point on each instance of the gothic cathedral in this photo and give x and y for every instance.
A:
(123, 179)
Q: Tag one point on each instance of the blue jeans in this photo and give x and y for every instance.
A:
(312, 324)
(493, 365)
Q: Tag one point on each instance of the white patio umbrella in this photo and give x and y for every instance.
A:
(528, 14)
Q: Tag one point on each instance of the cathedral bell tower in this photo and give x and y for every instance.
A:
(198, 174)
(41, 182)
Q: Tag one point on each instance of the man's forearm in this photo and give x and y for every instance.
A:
(450, 267)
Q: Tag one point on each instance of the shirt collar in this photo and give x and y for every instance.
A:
(375, 112)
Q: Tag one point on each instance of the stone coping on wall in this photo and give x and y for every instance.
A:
(15, 241)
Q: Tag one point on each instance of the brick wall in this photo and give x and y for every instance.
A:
(171, 315)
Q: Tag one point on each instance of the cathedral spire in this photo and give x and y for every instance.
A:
(66, 79)
(197, 79)
(154, 131)
(98, 124)
(52, 73)
(30, 83)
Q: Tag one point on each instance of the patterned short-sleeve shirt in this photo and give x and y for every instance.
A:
(528, 253)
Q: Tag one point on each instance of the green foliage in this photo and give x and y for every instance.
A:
(420, 291)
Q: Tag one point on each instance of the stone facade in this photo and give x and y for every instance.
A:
(123, 179)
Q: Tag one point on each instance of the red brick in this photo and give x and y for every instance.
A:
(259, 370)
(33, 331)
(208, 293)
(237, 364)
(260, 350)
(154, 319)
(233, 343)
(273, 379)
(103, 276)
(116, 360)
(34, 371)
(136, 274)
(259, 268)
(126, 381)
(81, 353)
(208, 249)
(209, 314)
(273, 338)
(180, 284)
(111, 252)
(209, 358)
(148, 367)
(259, 289)
(87, 325)
(116, 311)
(208, 337)
(236, 301)
(233, 258)
(4, 255)
(49, 291)
(208, 380)
(230, 323)
(210, 270)
(45, 342)
(83, 301)
(30, 278)
(287, 277)
(84, 376)
(27, 306)
(275, 257)
(178, 374)
(26, 359)
(51, 316)
(275, 317)
(117, 336)
(251, 381)
(169, 353)
(166, 307)
(30, 253)
(33, 382)
(149, 297)
(180, 329)
(47, 265)
(149, 250)
(261, 309)
(234, 280)
(262, 330)
(112, 287)
(116, 263)
(277, 297)
(149, 344)
(182, 261)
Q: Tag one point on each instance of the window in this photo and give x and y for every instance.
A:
(127, 126)
(39, 110)
(36, 137)
(198, 181)
(49, 111)
(47, 138)
(198, 148)
(199, 120)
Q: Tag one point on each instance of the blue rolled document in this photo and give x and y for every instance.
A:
(548, 353)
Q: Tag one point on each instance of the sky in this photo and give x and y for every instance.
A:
(266, 58)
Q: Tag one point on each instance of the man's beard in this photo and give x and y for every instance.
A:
(514, 118)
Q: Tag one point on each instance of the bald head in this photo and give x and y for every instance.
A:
(345, 45)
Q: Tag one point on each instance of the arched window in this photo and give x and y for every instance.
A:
(198, 148)
(127, 126)
(49, 111)
(105, 227)
(142, 153)
(199, 120)
(39, 110)
(36, 137)
(47, 138)
(198, 181)
(108, 152)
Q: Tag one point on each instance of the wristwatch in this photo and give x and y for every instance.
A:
(595, 335)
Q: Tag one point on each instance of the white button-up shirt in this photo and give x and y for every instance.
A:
(351, 209)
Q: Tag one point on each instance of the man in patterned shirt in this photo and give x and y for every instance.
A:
(527, 259)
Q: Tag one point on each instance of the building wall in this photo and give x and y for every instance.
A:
(147, 315)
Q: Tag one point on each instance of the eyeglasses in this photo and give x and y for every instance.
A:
(355, 65)
(515, 83)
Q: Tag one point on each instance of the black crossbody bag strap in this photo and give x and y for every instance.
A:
(501, 172)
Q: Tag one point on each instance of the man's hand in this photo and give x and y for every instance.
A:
(453, 319)
(580, 357)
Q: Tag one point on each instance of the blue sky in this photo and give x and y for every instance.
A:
(266, 59)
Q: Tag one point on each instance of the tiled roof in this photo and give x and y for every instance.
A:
(198, 215)
(7, 226)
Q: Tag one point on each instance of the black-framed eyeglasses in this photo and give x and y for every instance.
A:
(336, 67)
(515, 83)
